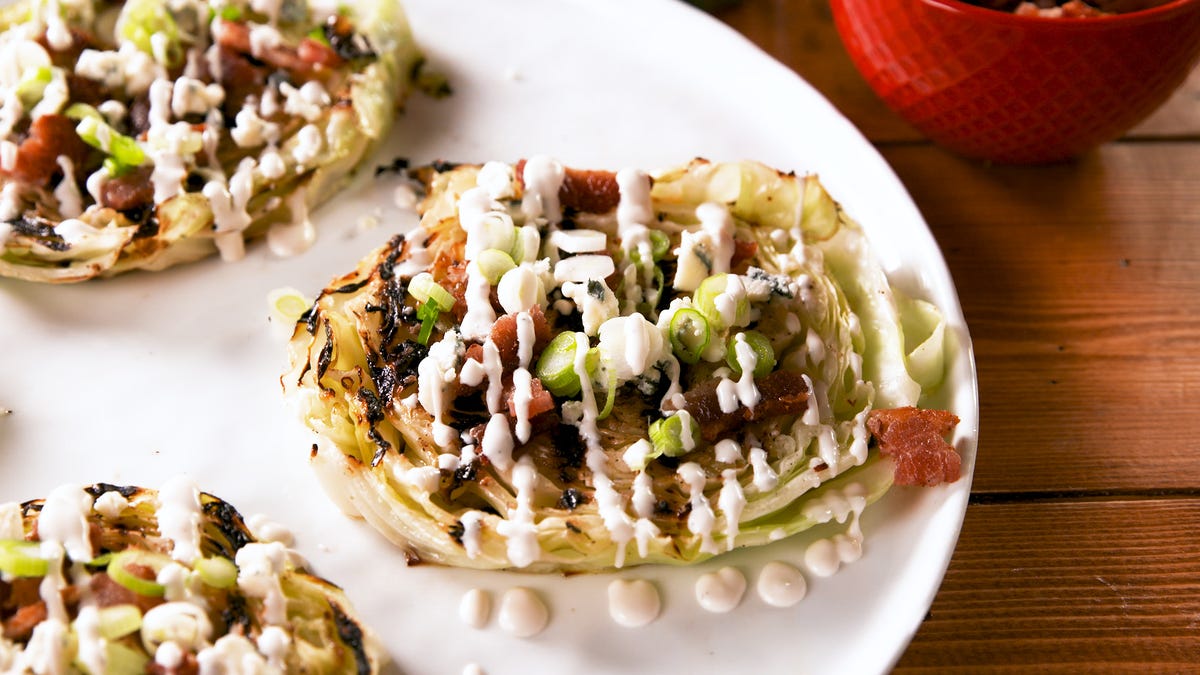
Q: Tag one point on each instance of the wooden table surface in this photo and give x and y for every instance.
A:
(1081, 288)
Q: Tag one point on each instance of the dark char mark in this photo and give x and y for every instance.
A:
(571, 499)
(98, 489)
(236, 614)
(229, 523)
(398, 165)
(41, 230)
(351, 287)
(351, 634)
(326, 355)
(374, 405)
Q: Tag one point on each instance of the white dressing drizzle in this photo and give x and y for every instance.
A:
(765, 478)
(435, 373)
(701, 519)
(731, 501)
(519, 528)
(643, 507)
(781, 585)
(63, 522)
(633, 603)
(498, 442)
(180, 516)
(475, 608)
(747, 391)
(70, 202)
(480, 316)
(543, 178)
(522, 614)
(721, 591)
(471, 522)
(259, 567)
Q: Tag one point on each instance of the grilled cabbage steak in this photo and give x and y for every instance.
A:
(145, 133)
(562, 369)
(116, 579)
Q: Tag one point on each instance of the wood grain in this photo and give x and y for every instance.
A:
(1081, 287)
(801, 35)
(1068, 585)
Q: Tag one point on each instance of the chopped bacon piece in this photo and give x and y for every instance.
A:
(504, 335)
(67, 58)
(783, 392)
(914, 439)
(129, 191)
(108, 592)
(590, 191)
(20, 626)
(21, 591)
(49, 137)
(455, 282)
(85, 90)
(239, 76)
(305, 59)
(319, 54)
(540, 400)
(743, 253)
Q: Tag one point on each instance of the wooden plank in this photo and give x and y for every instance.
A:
(801, 35)
(1081, 287)
(1060, 586)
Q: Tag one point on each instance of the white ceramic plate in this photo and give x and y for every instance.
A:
(147, 376)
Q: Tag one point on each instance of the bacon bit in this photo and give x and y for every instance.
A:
(540, 400)
(49, 137)
(129, 191)
(20, 626)
(305, 59)
(66, 58)
(743, 253)
(85, 90)
(589, 191)
(504, 336)
(783, 392)
(21, 591)
(239, 76)
(109, 593)
(319, 54)
(455, 282)
(914, 439)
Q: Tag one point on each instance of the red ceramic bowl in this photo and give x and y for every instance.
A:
(1017, 89)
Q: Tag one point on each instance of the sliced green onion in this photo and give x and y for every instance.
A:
(217, 572)
(318, 34)
(287, 304)
(143, 19)
(428, 313)
(78, 111)
(231, 13)
(493, 263)
(660, 243)
(556, 366)
(117, 621)
(122, 660)
(611, 393)
(33, 84)
(100, 561)
(119, 571)
(705, 300)
(19, 558)
(425, 289)
(675, 435)
(121, 148)
(762, 350)
(689, 334)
